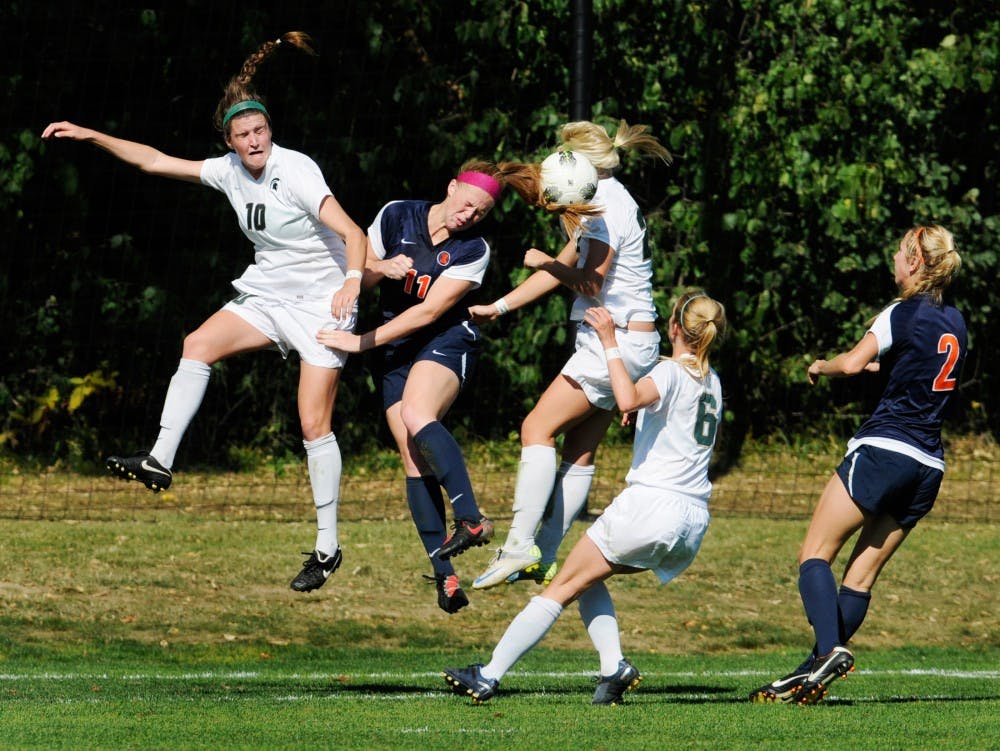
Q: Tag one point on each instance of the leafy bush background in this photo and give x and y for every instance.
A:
(807, 137)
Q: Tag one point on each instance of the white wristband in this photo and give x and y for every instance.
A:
(502, 307)
(354, 274)
(612, 352)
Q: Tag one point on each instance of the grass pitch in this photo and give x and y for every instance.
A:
(175, 630)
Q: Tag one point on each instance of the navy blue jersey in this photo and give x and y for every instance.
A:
(922, 346)
(401, 229)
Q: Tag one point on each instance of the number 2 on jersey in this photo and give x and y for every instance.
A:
(423, 282)
(948, 346)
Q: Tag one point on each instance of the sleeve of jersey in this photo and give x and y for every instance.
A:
(474, 268)
(596, 228)
(375, 233)
(664, 377)
(882, 329)
(214, 171)
(307, 184)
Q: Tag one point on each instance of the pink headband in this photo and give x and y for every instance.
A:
(482, 181)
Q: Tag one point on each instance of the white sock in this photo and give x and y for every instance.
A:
(184, 395)
(323, 456)
(524, 632)
(568, 498)
(536, 475)
(598, 615)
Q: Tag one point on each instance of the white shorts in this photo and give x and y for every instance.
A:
(651, 529)
(589, 368)
(293, 326)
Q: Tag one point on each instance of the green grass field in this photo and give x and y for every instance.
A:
(179, 631)
(295, 698)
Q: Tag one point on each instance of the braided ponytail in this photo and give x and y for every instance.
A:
(240, 87)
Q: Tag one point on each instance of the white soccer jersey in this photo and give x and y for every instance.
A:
(675, 435)
(296, 255)
(627, 292)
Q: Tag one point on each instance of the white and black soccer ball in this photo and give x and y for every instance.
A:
(567, 178)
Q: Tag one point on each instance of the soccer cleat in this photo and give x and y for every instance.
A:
(316, 570)
(505, 565)
(140, 467)
(465, 534)
(611, 688)
(825, 670)
(783, 689)
(543, 574)
(451, 598)
(470, 682)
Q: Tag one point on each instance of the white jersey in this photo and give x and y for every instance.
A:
(628, 291)
(296, 255)
(675, 435)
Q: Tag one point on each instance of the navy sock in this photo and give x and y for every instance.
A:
(853, 605)
(441, 452)
(423, 495)
(818, 589)
(853, 609)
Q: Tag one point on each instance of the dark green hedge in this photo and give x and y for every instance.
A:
(807, 137)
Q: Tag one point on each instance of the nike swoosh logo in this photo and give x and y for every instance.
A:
(487, 575)
(150, 468)
(404, 241)
(475, 530)
(793, 679)
(435, 352)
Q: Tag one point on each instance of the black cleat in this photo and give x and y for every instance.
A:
(611, 688)
(316, 570)
(451, 598)
(140, 467)
(782, 690)
(825, 670)
(466, 534)
(470, 682)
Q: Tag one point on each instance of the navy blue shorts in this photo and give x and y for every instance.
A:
(887, 482)
(457, 348)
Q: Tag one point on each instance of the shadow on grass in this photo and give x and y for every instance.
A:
(910, 700)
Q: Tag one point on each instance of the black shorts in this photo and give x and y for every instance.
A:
(457, 348)
(888, 482)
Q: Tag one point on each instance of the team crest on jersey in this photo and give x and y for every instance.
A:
(274, 183)
(444, 258)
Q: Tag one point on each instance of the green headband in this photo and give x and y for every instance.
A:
(242, 107)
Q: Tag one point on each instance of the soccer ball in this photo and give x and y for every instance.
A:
(567, 178)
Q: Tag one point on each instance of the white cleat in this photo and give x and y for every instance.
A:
(506, 564)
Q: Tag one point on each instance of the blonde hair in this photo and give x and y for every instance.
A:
(702, 320)
(240, 87)
(935, 247)
(593, 141)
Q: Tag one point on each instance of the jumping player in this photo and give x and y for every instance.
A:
(890, 477)
(426, 258)
(608, 264)
(309, 260)
(656, 523)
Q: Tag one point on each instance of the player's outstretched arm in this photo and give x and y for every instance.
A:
(629, 396)
(846, 363)
(443, 295)
(145, 158)
(535, 286)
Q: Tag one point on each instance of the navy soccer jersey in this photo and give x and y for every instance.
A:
(400, 229)
(922, 346)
